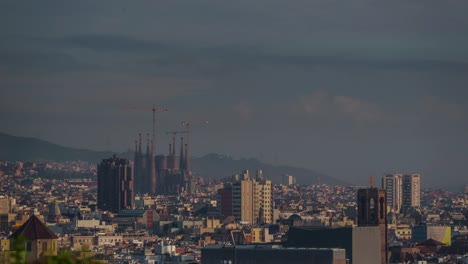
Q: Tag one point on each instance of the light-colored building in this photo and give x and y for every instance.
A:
(288, 179)
(248, 191)
(392, 183)
(40, 241)
(261, 235)
(403, 191)
(104, 240)
(264, 202)
(403, 232)
(366, 243)
(81, 242)
(252, 200)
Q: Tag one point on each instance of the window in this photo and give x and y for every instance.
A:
(44, 247)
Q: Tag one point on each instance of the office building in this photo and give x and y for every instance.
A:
(115, 184)
(225, 201)
(270, 254)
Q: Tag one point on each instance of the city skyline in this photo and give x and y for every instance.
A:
(346, 91)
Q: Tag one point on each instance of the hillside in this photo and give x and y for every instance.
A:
(13, 148)
(220, 166)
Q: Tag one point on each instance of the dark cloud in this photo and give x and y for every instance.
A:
(350, 88)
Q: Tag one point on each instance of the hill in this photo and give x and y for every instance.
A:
(220, 166)
(216, 166)
(13, 148)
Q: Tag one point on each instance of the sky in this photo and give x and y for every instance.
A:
(346, 88)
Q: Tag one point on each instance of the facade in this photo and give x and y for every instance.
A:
(40, 241)
(136, 219)
(248, 193)
(422, 233)
(115, 184)
(252, 199)
(145, 170)
(371, 231)
(392, 183)
(81, 242)
(264, 202)
(163, 174)
(363, 244)
(411, 191)
(225, 201)
(403, 191)
(288, 179)
(271, 254)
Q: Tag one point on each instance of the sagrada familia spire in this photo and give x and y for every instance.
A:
(162, 174)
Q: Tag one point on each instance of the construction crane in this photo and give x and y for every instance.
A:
(155, 110)
(187, 124)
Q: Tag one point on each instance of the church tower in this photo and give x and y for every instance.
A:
(372, 212)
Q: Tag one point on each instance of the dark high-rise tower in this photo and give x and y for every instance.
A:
(115, 184)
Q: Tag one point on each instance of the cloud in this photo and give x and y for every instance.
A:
(69, 92)
(357, 109)
(320, 104)
(110, 43)
(244, 110)
(437, 106)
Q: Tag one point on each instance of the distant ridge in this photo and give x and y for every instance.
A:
(13, 148)
(215, 166)
(220, 166)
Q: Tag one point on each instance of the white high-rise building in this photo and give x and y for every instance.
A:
(403, 190)
(392, 183)
(288, 179)
(252, 199)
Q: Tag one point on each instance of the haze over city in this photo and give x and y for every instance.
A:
(346, 88)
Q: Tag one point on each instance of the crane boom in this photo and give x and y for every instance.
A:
(155, 110)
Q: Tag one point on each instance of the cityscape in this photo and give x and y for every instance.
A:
(153, 209)
(245, 132)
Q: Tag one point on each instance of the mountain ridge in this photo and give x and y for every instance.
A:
(212, 165)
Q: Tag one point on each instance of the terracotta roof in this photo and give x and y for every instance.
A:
(34, 229)
(431, 243)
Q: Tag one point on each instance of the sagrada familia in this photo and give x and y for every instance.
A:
(162, 174)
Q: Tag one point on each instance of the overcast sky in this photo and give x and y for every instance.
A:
(347, 88)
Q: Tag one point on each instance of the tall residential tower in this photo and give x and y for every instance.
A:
(115, 184)
(251, 199)
(403, 191)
